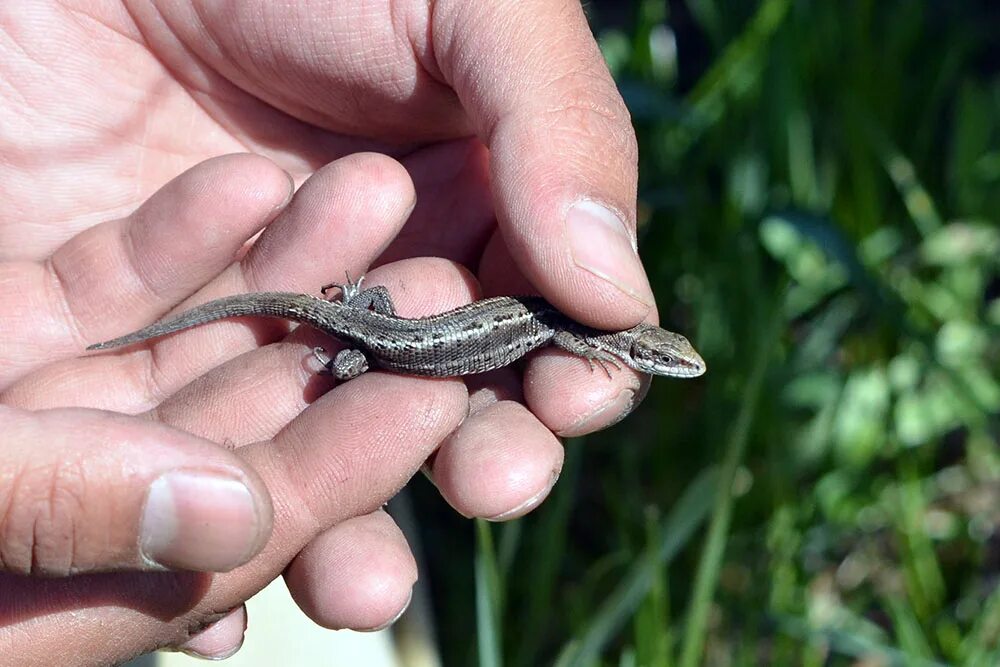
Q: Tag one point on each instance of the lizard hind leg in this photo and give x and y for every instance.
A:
(374, 298)
(348, 290)
(581, 347)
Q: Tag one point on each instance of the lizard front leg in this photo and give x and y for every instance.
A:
(347, 365)
(595, 354)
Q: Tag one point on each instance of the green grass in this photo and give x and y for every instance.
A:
(820, 195)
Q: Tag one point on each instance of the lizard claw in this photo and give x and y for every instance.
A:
(348, 290)
(324, 359)
(603, 359)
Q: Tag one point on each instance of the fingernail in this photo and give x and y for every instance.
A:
(610, 413)
(198, 521)
(289, 194)
(601, 244)
(212, 657)
(220, 640)
(395, 618)
(529, 504)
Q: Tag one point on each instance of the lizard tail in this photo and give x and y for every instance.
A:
(286, 305)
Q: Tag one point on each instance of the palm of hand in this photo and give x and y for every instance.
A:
(112, 111)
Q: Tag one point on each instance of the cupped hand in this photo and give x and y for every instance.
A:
(88, 489)
(108, 102)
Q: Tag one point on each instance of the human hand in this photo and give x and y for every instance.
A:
(525, 78)
(108, 491)
(303, 85)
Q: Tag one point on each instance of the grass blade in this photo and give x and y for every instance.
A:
(677, 529)
(708, 568)
(489, 602)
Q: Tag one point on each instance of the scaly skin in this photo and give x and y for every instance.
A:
(475, 338)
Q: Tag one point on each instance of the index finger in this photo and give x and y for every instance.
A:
(563, 152)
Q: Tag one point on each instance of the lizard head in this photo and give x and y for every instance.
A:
(660, 352)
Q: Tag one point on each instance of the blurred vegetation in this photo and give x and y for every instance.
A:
(820, 193)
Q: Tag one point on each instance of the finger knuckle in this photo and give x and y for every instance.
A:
(588, 106)
(38, 519)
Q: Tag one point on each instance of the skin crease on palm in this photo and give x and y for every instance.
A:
(115, 209)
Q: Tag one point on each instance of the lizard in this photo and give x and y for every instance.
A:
(481, 336)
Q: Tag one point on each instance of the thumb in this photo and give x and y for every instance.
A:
(82, 490)
(563, 152)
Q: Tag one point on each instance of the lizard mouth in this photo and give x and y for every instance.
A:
(687, 369)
